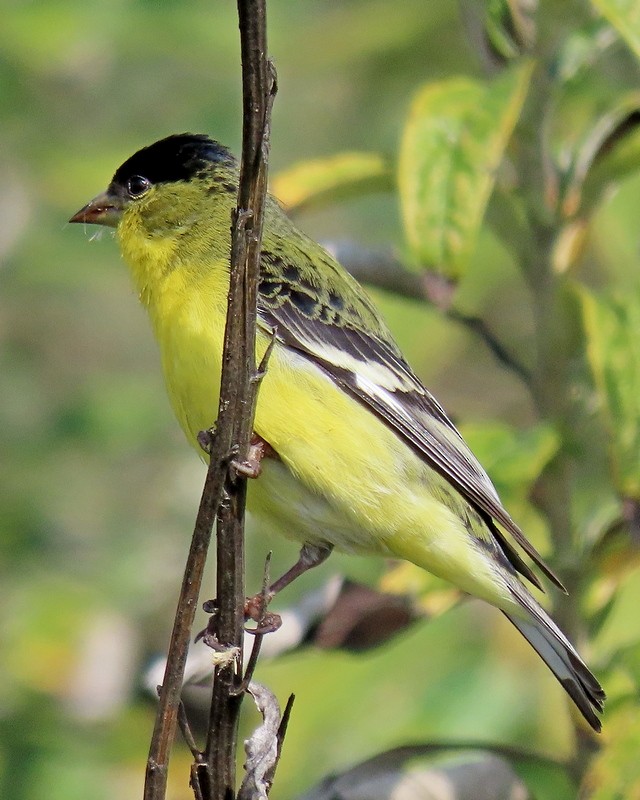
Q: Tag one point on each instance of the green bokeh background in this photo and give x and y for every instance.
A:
(98, 490)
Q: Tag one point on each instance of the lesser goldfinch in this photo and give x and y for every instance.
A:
(360, 455)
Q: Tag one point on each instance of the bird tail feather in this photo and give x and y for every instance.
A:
(561, 657)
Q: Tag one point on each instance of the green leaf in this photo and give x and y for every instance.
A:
(510, 27)
(591, 126)
(451, 147)
(624, 15)
(590, 132)
(513, 458)
(617, 158)
(580, 50)
(595, 143)
(322, 181)
(608, 151)
(613, 348)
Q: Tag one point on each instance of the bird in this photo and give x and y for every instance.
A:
(357, 454)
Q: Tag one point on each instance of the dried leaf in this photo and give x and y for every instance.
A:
(362, 618)
(262, 747)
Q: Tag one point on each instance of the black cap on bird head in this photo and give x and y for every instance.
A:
(177, 158)
(180, 157)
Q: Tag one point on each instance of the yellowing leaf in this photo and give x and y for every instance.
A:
(451, 147)
(614, 773)
(324, 180)
(435, 595)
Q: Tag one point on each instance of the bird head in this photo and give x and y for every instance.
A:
(162, 184)
(170, 204)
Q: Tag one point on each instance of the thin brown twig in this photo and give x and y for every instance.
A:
(478, 326)
(239, 391)
(185, 729)
(167, 712)
(258, 636)
(233, 428)
(196, 782)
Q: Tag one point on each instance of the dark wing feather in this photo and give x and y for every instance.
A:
(404, 404)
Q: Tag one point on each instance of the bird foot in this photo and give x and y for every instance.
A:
(251, 466)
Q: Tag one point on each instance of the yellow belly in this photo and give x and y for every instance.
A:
(343, 477)
(309, 494)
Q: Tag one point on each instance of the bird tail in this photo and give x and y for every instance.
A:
(561, 657)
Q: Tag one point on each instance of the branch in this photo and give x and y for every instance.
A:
(167, 712)
(232, 433)
(238, 391)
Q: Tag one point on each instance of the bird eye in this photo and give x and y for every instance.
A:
(137, 185)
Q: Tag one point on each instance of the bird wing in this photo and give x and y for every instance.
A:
(371, 369)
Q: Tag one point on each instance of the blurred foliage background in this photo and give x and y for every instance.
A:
(98, 489)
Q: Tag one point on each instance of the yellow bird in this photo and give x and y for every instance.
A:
(360, 455)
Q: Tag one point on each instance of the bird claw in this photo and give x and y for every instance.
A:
(249, 468)
(268, 624)
(205, 439)
(255, 608)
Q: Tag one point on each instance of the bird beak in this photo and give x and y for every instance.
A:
(105, 209)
